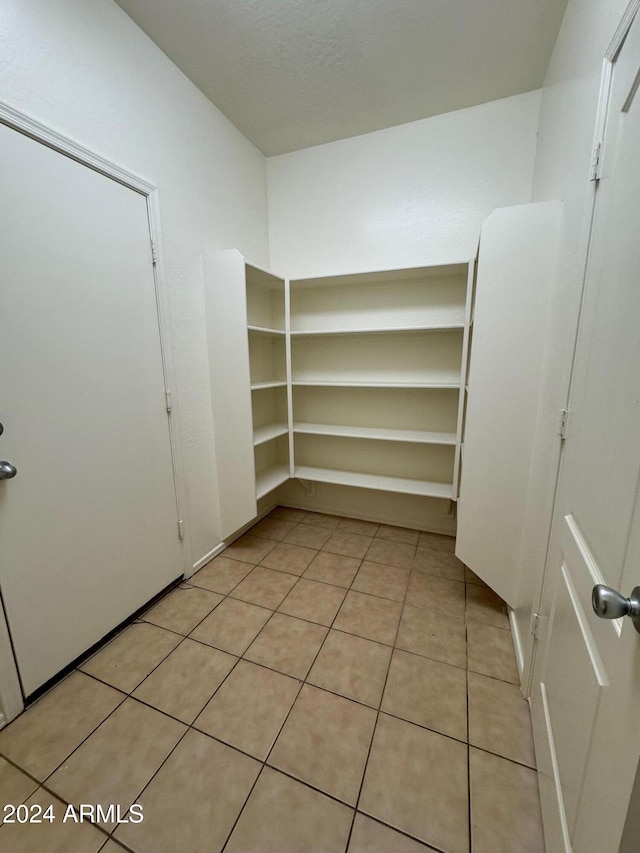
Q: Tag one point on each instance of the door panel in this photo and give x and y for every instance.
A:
(590, 669)
(88, 525)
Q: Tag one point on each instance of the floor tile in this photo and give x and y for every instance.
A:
(120, 757)
(351, 666)
(470, 577)
(264, 587)
(483, 605)
(490, 652)
(320, 519)
(43, 736)
(232, 626)
(439, 563)
(325, 742)
(398, 534)
(249, 549)
(433, 634)
(112, 847)
(308, 535)
(193, 802)
(130, 657)
(369, 836)
(286, 513)
(505, 806)
(221, 575)
(273, 528)
(183, 683)
(384, 581)
(293, 559)
(499, 719)
(15, 786)
(437, 541)
(355, 525)
(287, 644)
(249, 709)
(347, 544)
(314, 601)
(369, 617)
(182, 609)
(397, 554)
(416, 780)
(427, 692)
(333, 568)
(283, 816)
(437, 593)
(52, 837)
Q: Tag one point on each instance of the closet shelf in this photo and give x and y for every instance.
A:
(270, 478)
(263, 330)
(400, 485)
(277, 383)
(268, 432)
(405, 435)
(378, 330)
(357, 383)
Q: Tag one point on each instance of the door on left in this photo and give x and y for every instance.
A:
(88, 526)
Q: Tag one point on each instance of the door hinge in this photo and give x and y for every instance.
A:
(536, 623)
(562, 426)
(181, 528)
(167, 397)
(596, 159)
(154, 253)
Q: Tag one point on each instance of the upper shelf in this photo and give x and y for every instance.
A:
(375, 330)
(362, 383)
(422, 298)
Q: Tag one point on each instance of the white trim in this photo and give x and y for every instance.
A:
(208, 557)
(11, 698)
(621, 32)
(517, 642)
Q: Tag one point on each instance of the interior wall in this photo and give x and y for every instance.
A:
(406, 196)
(409, 195)
(562, 171)
(87, 71)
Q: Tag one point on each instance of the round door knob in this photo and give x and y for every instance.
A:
(7, 470)
(608, 603)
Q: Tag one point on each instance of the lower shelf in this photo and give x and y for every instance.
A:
(405, 435)
(401, 485)
(270, 478)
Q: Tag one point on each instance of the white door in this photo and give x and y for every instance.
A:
(586, 700)
(88, 526)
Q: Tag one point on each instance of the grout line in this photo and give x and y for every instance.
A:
(375, 727)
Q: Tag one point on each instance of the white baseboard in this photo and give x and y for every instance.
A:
(208, 557)
(517, 641)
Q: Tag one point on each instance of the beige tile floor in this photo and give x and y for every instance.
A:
(327, 684)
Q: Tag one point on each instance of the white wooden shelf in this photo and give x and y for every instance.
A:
(263, 330)
(277, 383)
(270, 478)
(405, 435)
(333, 383)
(268, 432)
(378, 330)
(400, 485)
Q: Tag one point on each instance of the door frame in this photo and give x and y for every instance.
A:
(11, 699)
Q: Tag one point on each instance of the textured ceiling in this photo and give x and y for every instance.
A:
(295, 73)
